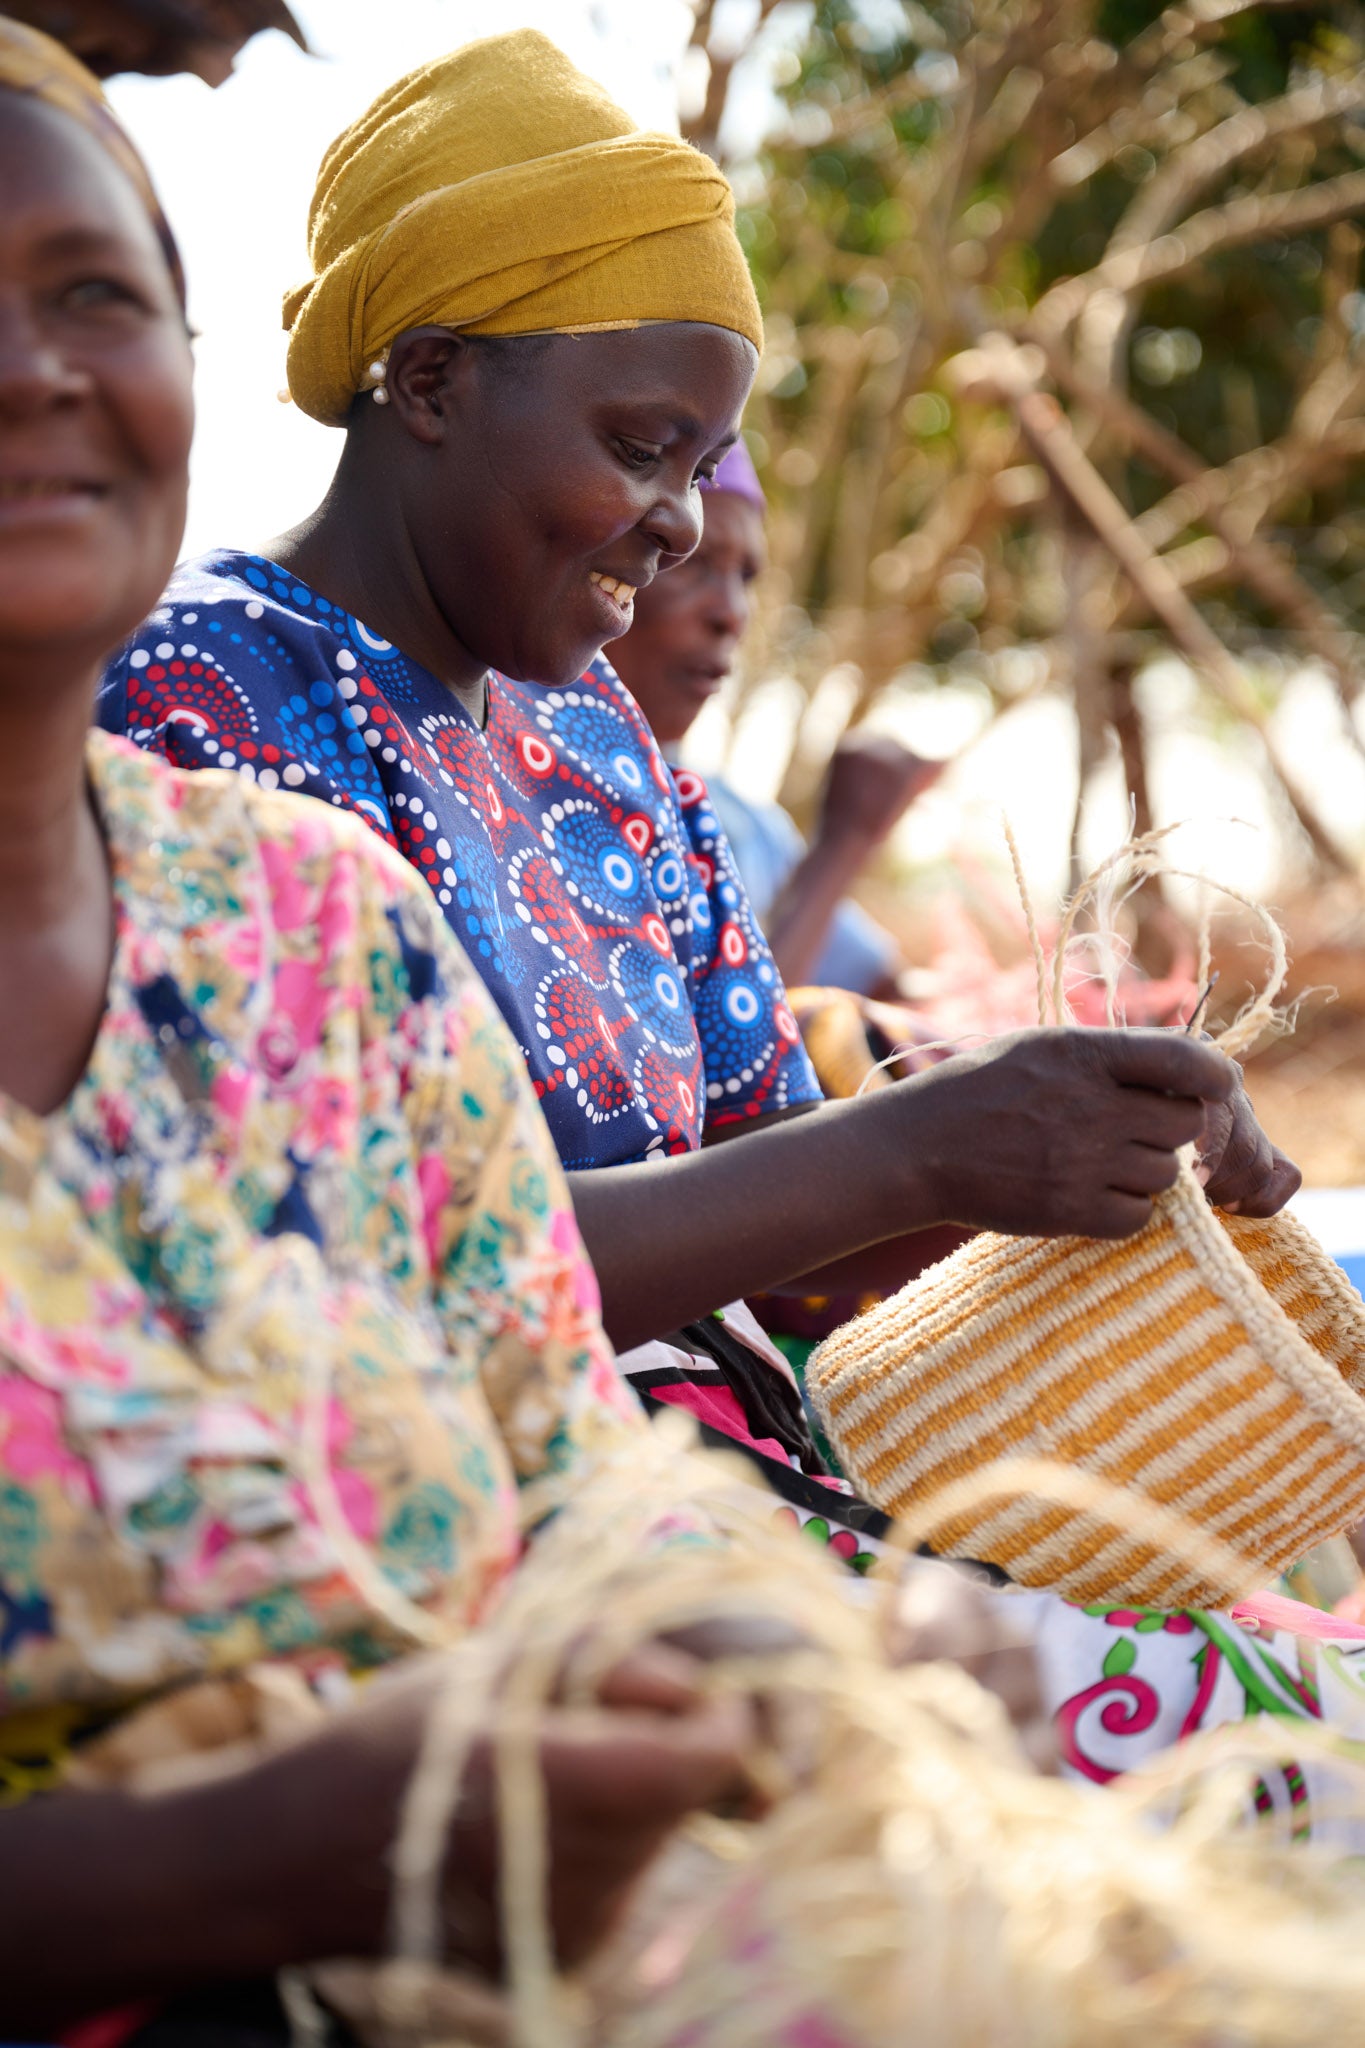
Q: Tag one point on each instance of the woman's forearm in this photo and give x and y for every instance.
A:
(1043, 1132)
(671, 1243)
(112, 1897)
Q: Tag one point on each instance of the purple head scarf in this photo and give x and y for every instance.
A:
(735, 472)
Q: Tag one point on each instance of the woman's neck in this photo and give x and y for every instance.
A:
(56, 893)
(48, 825)
(355, 551)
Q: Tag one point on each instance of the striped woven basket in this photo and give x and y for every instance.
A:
(1213, 1364)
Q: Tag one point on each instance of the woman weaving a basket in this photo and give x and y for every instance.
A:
(536, 327)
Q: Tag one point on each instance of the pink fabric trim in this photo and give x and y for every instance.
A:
(1274, 1610)
(718, 1407)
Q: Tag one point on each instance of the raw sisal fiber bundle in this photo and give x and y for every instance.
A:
(1211, 1364)
(914, 1884)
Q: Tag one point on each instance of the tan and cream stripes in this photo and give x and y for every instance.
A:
(1213, 1364)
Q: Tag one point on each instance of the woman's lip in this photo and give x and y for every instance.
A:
(36, 483)
(618, 617)
(46, 506)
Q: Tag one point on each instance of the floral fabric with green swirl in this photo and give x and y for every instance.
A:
(302, 1195)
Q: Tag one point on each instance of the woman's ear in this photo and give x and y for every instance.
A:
(424, 367)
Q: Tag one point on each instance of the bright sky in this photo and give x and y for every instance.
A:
(235, 169)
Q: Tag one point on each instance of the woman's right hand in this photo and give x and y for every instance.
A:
(1046, 1133)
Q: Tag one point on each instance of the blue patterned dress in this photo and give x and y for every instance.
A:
(591, 885)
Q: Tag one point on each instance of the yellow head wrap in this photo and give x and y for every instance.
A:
(501, 192)
(32, 63)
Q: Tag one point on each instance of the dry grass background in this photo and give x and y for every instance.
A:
(1310, 1095)
(1309, 1087)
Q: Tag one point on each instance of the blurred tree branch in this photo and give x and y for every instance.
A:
(1154, 213)
(704, 131)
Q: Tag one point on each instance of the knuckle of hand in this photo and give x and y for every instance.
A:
(1229, 1076)
(1081, 1067)
(1244, 1152)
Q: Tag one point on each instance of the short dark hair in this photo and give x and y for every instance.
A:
(513, 353)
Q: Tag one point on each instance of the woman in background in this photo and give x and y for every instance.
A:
(681, 647)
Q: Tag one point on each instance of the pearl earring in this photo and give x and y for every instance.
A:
(378, 372)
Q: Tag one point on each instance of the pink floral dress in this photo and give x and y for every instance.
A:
(302, 1193)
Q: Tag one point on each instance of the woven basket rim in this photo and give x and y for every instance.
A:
(1283, 1349)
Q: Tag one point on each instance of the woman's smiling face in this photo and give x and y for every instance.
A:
(544, 485)
(96, 412)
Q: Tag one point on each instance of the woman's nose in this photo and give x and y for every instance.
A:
(674, 522)
(728, 604)
(34, 372)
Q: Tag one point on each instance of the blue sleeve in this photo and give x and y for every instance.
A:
(858, 953)
(766, 846)
(210, 681)
(753, 1059)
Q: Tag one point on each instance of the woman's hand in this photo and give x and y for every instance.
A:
(618, 1779)
(618, 1775)
(1239, 1167)
(286, 1861)
(872, 782)
(1056, 1132)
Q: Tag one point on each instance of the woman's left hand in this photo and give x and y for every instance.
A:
(1241, 1170)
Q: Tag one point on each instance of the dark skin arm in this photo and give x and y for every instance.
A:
(1041, 1133)
(872, 782)
(286, 1861)
(878, 1268)
(112, 1897)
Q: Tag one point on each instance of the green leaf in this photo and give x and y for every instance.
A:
(1121, 1658)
